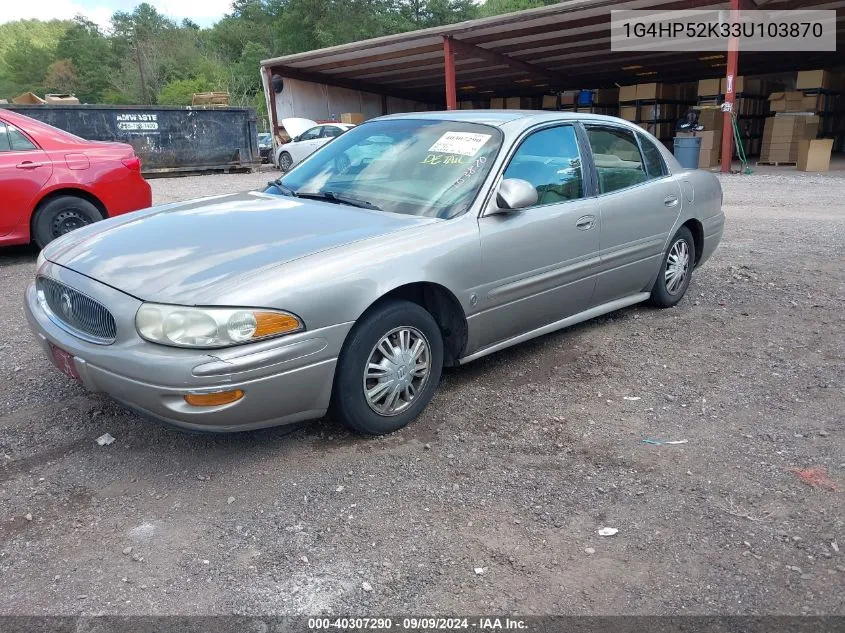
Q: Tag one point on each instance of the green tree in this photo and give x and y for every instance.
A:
(181, 91)
(61, 77)
(93, 59)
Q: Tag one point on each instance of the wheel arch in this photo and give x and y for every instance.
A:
(443, 305)
(70, 191)
(697, 229)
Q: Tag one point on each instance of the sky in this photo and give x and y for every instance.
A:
(203, 12)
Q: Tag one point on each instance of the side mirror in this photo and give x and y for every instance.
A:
(295, 139)
(513, 194)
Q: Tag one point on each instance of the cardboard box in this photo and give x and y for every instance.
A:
(513, 103)
(708, 87)
(629, 113)
(550, 102)
(497, 103)
(814, 155)
(62, 99)
(627, 93)
(687, 91)
(568, 97)
(654, 91)
(28, 98)
(605, 96)
(808, 79)
(355, 118)
(711, 118)
(786, 101)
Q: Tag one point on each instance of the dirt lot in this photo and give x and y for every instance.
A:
(517, 463)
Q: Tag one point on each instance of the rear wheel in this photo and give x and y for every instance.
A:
(62, 215)
(389, 369)
(676, 270)
(285, 161)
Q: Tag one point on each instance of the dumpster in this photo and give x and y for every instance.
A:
(686, 151)
(166, 138)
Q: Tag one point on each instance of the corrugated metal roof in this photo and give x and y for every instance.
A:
(567, 44)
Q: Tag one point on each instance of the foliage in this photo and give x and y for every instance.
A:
(148, 58)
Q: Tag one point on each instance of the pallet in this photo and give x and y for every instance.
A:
(776, 164)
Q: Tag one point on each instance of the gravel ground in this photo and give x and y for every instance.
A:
(517, 463)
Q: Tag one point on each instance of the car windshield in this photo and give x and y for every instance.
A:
(264, 138)
(427, 168)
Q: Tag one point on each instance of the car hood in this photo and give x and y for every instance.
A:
(191, 253)
(294, 127)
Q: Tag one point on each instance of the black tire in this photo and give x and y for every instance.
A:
(62, 215)
(285, 161)
(666, 296)
(349, 402)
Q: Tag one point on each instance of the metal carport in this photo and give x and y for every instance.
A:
(558, 47)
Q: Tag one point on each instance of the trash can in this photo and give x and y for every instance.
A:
(686, 151)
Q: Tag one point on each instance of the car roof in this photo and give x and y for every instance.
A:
(501, 118)
(48, 136)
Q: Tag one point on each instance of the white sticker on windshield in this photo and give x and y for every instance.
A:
(463, 143)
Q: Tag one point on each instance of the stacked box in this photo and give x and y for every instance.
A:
(815, 79)
(814, 154)
(656, 111)
(550, 102)
(711, 118)
(708, 87)
(654, 91)
(711, 147)
(629, 113)
(783, 134)
(605, 96)
(628, 93)
(787, 101)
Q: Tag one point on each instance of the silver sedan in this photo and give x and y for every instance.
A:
(410, 243)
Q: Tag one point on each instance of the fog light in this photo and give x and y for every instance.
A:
(213, 399)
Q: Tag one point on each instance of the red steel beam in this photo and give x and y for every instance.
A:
(730, 94)
(449, 69)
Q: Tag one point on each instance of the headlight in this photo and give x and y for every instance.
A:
(211, 327)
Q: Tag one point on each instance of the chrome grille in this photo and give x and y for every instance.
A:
(75, 312)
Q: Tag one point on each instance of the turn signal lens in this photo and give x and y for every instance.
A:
(213, 399)
(271, 323)
(132, 163)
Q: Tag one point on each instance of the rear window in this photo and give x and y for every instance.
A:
(654, 164)
(4, 139)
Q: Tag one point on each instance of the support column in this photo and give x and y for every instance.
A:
(449, 67)
(730, 94)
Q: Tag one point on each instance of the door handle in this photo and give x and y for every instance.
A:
(670, 201)
(585, 222)
(28, 164)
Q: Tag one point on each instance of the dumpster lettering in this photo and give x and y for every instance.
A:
(143, 122)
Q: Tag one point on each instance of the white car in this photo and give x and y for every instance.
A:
(307, 137)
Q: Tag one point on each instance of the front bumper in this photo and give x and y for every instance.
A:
(284, 380)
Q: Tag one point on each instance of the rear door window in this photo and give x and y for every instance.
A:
(17, 140)
(617, 158)
(310, 135)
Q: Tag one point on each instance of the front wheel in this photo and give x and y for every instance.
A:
(389, 368)
(62, 215)
(675, 271)
(285, 161)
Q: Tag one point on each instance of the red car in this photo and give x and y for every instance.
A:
(52, 182)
